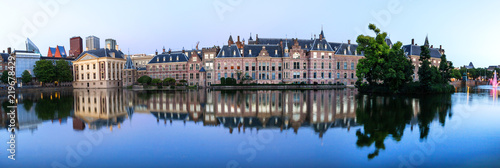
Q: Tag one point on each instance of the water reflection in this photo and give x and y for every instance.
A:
(388, 116)
(375, 118)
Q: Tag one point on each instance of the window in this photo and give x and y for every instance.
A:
(315, 54)
(330, 75)
(305, 76)
(322, 65)
(194, 59)
(322, 75)
(314, 66)
(345, 65)
(93, 65)
(352, 75)
(218, 76)
(338, 65)
(314, 75)
(352, 65)
(253, 68)
(274, 76)
(253, 75)
(338, 75)
(305, 65)
(273, 68)
(246, 67)
(345, 75)
(88, 66)
(279, 66)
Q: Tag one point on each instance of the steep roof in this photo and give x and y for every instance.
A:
(103, 52)
(302, 42)
(129, 64)
(168, 58)
(256, 48)
(321, 45)
(346, 49)
(229, 52)
(416, 50)
(5, 57)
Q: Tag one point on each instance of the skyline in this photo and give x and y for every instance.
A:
(183, 24)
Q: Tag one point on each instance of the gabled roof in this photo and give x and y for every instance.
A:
(346, 49)
(202, 69)
(129, 64)
(229, 52)
(5, 57)
(256, 48)
(415, 50)
(103, 53)
(62, 51)
(168, 58)
(321, 45)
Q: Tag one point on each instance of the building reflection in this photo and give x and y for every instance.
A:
(99, 108)
(243, 110)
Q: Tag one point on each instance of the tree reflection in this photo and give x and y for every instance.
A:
(52, 108)
(381, 117)
(384, 117)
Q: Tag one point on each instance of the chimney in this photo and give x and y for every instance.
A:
(440, 47)
(238, 39)
(256, 36)
(9, 50)
(412, 41)
(432, 46)
(163, 49)
(348, 41)
(169, 51)
(156, 53)
(3, 51)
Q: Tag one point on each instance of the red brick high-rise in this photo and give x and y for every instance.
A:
(76, 47)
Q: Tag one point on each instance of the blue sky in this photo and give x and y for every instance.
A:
(468, 30)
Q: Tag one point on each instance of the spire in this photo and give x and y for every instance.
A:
(129, 64)
(321, 35)
(250, 39)
(286, 42)
(426, 43)
(230, 40)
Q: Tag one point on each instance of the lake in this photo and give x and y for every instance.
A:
(265, 128)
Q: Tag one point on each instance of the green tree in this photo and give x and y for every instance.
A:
(5, 76)
(156, 81)
(63, 71)
(183, 82)
(398, 69)
(144, 80)
(425, 73)
(169, 81)
(26, 76)
(371, 67)
(222, 81)
(44, 71)
(445, 68)
(382, 64)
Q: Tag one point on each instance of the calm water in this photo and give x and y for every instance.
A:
(326, 128)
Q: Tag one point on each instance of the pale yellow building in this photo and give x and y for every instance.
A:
(101, 68)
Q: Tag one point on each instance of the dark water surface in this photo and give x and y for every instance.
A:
(325, 128)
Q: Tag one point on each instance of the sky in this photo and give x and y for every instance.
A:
(465, 29)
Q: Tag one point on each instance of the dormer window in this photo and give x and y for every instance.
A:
(249, 52)
(170, 58)
(318, 46)
(177, 58)
(325, 46)
(194, 59)
(157, 59)
(234, 52)
(163, 59)
(275, 52)
(222, 53)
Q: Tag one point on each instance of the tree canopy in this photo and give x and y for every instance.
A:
(26, 76)
(44, 71)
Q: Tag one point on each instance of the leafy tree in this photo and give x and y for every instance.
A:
(398, 69)
(382, 64)
(425, 73)
(445, 68)
(5, 76)
(156, 81)
(371, 67)
(222, 81)
(169, 81)
(144, 79)
(26, 76)
(44, 71)
(183, 82)
(63, 71)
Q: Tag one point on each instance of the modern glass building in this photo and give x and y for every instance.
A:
(30, 46)
(25, 60)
